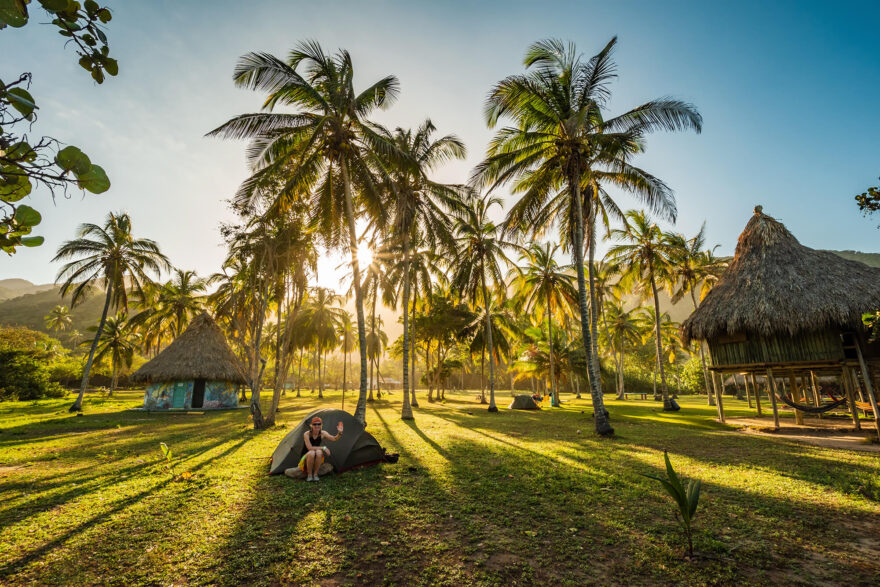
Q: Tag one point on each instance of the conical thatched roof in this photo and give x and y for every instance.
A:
(201, 352)
(775, 285)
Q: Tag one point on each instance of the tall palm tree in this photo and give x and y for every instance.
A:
(181, 298)
(324, 315)
(644, 257)
(324, 150)
(110, 257)
(476, 265)
(58, 319)
(377, 341)
(420, 211)
(562, 143)
(623, 332)
(118, 342)
(347, 344)
(545, 288)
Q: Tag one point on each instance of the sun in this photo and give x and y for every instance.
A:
(365, 254)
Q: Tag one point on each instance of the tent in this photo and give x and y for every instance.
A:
(356, 448)
(523, 401)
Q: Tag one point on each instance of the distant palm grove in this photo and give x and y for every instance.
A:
(516, 295)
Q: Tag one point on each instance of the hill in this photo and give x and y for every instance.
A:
(11, 288)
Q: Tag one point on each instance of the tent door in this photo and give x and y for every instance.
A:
(198, 399)
(179, 397)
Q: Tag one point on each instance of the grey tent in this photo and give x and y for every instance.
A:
(523, 401)
(356, 448)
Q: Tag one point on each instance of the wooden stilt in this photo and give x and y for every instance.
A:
(815, 385)
(757, 393)
(771, 391)
(719, 403)
(746, 385)
(846, 381)
(795, 398)
(869, 387)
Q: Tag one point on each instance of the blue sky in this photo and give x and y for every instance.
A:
(788, 92)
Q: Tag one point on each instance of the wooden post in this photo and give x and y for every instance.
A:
(719, 404)
(746, 385)
(850, 395)
(816, 397)
(757, 393)
(869, 387)
(771, 391)
(795, 397)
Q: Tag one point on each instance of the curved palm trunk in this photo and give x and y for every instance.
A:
(492, 406)
(600, 414)
(360, 412)
(554, 393)
(406, 412)
(412, 351)
(703, 358)
(667, 403)
(594, 302)
(77, 404)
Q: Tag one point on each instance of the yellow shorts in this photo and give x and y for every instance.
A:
(302, 461)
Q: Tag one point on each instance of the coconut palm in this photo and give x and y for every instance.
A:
(118, 343)
(323, 315)
(58, 319)
(323, 150)
(544, 288)
(377, 341)
(347, 344)
(180, 299)
(420, 211)
(502, 318)
(623, 332)
(476, 266)
(110, 257)
(562, 143)
(644, 257)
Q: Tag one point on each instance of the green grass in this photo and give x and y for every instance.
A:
(477, 498)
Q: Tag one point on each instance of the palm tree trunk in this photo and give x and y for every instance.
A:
(703, 358)
(406, 412)
(594, 302)
(412, 351)
(492, 406)
(344, 373)
(113, 377)
(256, 383)
(667, 404)
(299, 372)
(483, 375)
(320, 380)
(360, 412)
(600, 414)
(553, 391)
(428, 378)
(77, 404)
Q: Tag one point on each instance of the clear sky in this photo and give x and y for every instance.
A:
(788, 92)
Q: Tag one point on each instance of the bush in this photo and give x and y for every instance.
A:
(24, 377)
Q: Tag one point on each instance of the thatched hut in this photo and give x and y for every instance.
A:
(196, 371)
(783, 309)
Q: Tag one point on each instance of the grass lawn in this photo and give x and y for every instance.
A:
(477, 498)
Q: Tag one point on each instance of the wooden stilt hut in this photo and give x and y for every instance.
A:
(196, 371)
(790, 315)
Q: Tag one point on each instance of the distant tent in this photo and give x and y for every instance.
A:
(523, 402)
(196, 371)
(356, 448)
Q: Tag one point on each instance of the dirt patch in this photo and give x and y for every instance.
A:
(825, 439)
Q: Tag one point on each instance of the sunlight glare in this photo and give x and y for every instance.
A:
(365, 255)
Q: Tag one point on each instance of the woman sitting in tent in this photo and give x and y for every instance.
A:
(314, 451)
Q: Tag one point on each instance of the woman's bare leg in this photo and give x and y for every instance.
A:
(310, 464)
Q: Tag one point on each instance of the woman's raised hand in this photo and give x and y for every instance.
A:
(339, 427)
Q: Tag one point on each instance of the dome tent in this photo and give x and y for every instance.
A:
(356, 448)
(523, 401)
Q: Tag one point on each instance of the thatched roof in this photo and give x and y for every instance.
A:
(777, 286)
(201, 352)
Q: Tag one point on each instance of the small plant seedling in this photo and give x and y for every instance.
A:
(686, 497)
(167, 455)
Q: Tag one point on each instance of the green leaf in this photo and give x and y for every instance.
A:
(98, 75)
(91, 6)
(21, 100)
(13, 186)
(72, 159)
(95, 180)
(13, 13)
(55, 5)
(111, 65)
(104, 15)
(32, 241)
(693, 496)
(21, 151)
(27, 216)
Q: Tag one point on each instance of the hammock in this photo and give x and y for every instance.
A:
(810, 409)
(865, 406)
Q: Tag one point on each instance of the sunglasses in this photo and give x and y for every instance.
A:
(315, 424)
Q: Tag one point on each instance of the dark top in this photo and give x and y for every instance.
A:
(315, 442)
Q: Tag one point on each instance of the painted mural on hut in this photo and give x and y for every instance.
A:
(178, 395)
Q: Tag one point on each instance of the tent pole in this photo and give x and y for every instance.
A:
(851, 396)
(771, 391)
(757, 393)
(866, 375)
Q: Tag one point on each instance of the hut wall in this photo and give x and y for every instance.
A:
(218, 394)
(806, 347)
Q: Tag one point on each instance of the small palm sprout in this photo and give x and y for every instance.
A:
(686, 496)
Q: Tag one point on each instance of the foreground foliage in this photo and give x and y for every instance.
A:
(476, 498)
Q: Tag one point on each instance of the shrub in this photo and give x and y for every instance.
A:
(25, 377)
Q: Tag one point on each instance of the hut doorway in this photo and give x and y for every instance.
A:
(198, 397)
(179, 396)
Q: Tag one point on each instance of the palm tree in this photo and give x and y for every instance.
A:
(347, 344)
(377, 341)
(563, 143)
(623, 332)
(479, 251)
(644, 256)
(117, 342)
(58, 319)
(180, 299)
(421, 211)
(325, 150)
(324, 316)
(109, 257)
(544, 287)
